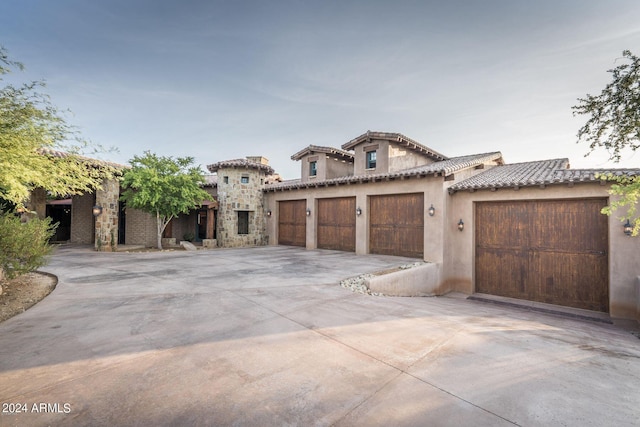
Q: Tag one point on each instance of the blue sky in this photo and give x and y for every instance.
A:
(223, 80)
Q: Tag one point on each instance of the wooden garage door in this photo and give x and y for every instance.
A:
(337, 224)
(548, 251)
(292, 223)
(397, 225)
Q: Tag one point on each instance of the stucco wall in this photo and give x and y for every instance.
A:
(327, 167)
(624, 252)
(382, 157)
(403, 158)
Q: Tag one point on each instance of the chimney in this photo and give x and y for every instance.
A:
(258, 159)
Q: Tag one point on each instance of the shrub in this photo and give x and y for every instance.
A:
(23, 245)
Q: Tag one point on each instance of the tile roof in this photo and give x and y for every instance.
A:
(240, 164)
(334, 152)
(94, 162)
(443, 168)
(397, 138)
(537, 173)
(211, 180)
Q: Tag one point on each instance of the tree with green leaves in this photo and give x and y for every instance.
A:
(38, 148)
(163, 186)
(614, 124)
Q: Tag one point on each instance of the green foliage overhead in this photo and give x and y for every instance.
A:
(163, 186)
(33, 132)
(615, 113)
(23, 246)
(614, 124)
(627, 190)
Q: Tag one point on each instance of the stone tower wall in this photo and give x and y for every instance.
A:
(235, 196)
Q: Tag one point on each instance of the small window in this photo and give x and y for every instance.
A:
(313, 168)
(226, 179)
(244, 180)
(243, 222)
(371, 160)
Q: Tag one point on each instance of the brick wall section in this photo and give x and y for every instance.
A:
(140, 228)
(106, 239)
(235, 196)
(82, 221)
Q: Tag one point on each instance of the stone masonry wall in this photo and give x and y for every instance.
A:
(235, 196)
(107, 222)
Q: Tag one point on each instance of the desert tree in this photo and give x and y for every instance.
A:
(163, 186)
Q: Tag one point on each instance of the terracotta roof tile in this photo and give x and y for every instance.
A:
(445, 167)
(399, 139)
(95, 162)
(543, 172)
(334, 152)
(241, 164)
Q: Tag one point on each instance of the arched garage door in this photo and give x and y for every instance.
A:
(548, 251)
(396, 225)
(292, 223)
(337, 224)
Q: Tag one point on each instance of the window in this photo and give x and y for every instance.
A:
(371, 159)
(313, 168)
(243, 222)
(244, 180)
(226, 179)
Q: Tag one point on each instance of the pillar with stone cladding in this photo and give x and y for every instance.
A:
(106, 234)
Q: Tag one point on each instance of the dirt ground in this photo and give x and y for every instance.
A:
(23, 292)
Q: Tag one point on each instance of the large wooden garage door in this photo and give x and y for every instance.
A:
(292, 223)
(397, 225)
(548, 251)
(337, 224)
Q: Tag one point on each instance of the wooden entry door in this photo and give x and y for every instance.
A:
(548, 251)
(292, 223)
(337, 224)
(396, 225)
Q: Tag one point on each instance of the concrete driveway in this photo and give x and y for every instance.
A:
(265, 336)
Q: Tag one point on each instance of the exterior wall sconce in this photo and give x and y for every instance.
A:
(432, 210)
(96, 210)
(308, 212)
(628, 228)
(269, 212)
(460, 225)
(358, 211)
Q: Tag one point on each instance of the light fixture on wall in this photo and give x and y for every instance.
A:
(308, 212)
(358, 211)
(460, 225)
(432, 210)
(269, 212)
(96, 210)
(628, 228)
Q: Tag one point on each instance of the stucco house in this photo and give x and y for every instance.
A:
(531, 231)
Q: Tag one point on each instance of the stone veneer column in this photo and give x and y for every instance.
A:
(235, 196)
(38, 202)
(107, 222)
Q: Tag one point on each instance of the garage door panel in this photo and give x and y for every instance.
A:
(504, 274)
(571, 218)
(503, 225)
(292, 224)
(559, 282)
(336, 226)
(561, 257)
(396, 225)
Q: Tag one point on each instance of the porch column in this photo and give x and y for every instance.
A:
(107, 222)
